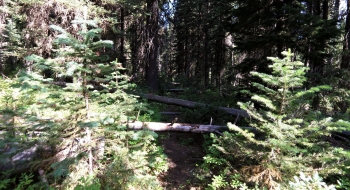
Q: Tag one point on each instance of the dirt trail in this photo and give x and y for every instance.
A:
(184, 152)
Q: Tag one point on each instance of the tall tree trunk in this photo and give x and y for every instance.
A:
(206, 59)
(206, 47)
(152, 45)
(343, 83)
(316, 7)
(279, 28)
(138, 43)
(346, 43)
(187, 55)
(325, 9)
(317, 63)
(336, 9)
(181, 36)
(121, 48)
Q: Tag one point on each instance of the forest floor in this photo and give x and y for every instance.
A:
(184, 155)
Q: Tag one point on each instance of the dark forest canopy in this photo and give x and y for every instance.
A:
(285, 63)
(207, 44)
(213, 43)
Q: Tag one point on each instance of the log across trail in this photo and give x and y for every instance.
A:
(190, 104)
(181, 127)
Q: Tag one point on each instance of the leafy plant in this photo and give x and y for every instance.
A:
(6, 182)
(87, 183)
(25, 181)
(135, 164)
(343, 183)
(13, 51)
(218, 182)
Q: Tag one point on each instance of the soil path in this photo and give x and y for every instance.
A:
(185, 153)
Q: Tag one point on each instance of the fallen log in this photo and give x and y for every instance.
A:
(190, 104)
(174, 90)
(170, 113)
(174, 101)
(15, 157)
(180, 127)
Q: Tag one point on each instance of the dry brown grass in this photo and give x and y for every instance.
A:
(262, 175)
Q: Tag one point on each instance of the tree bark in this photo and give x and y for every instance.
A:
(325, 9)
(346, 43)
(206, 58)
(336, 10)
(152, 45)
(122, 40)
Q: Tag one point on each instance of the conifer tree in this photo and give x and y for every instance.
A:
(292, 139)
(12, 50)
(278, 96)
(96, 102)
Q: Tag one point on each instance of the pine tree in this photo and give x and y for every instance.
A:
(96, 102)
(292, 139)
(12, 50)
(278, 96)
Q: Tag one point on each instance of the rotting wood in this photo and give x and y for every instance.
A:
(190, 104)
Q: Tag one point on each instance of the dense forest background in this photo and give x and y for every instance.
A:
(212, 44)
(75, 70)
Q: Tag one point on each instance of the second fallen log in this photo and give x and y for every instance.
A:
(190, 104)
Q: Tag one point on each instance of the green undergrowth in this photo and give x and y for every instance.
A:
(296, 150)
(82, 131)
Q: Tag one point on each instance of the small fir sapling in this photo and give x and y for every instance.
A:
(291, 139)
(100, 112)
